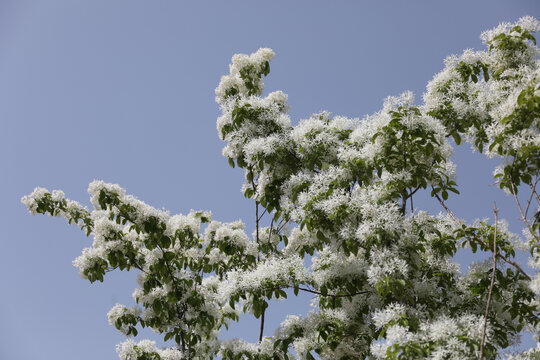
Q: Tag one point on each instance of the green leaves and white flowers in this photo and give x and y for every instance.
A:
(341, 191)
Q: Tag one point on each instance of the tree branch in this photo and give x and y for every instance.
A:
(523, 217)
(411, 196)
(334, 296)
(496, 212)
(446, 208)
(257, 219)
(281, 225)
(533, 186)
(260, 217)
(414, 191)
(270, 231)
(261, 329)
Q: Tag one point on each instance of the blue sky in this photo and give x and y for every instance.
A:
(123, 91)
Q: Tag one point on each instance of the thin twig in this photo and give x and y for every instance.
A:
(270, 232)
(496, 212)
(410, 195)
(281, 225)
(334, 296)
(257, 224)
(404, 194)
(264, 212)
(257, 219)
(523, 217)
(536, 195)
(533, 188)
(414, 191)
(530, 198)
(446, 207)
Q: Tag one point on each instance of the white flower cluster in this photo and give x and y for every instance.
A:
(386, 262)
(491, 100)
(231, 233)
(190, 221)
(391, 313)
(299, 240)
(31, 201)
(243, 68)
(270, 274)
(528, 23)
(89, 258)
(453, 337)
(130, 350)
(71, 210)
(118, 311)
(329, 266)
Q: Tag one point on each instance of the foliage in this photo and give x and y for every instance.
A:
(338, 190)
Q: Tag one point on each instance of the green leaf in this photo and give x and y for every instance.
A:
(169, 255)
(457, 137)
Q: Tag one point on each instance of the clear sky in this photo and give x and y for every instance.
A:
(123, 91)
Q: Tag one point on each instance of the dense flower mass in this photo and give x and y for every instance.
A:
(341, 191)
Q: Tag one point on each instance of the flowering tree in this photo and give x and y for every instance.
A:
(340, 191)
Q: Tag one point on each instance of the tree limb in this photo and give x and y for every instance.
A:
(523, 217)
(446, 208)
(496, 212)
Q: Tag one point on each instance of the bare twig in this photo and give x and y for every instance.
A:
(536, 195)
(523, 217)
(264, 212)
(281, 225)
(496, 212)
(404, 194)
(446, 207)
(414, 191)
(257, 224)
(533, 189)
(271, 227)
(257, 219)
(530, 198)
